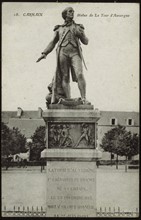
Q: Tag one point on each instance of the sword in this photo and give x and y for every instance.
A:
(81, 55)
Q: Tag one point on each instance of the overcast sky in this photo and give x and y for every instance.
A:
(112, 55)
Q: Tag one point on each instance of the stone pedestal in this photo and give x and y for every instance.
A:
(71, 137)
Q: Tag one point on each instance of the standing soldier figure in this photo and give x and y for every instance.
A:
(69, 57)
(84, 135)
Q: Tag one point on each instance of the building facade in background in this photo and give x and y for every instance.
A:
(28, 121)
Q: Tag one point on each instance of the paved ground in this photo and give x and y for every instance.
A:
(27, 187)
(118, 188)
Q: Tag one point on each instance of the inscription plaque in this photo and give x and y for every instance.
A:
(71, 189)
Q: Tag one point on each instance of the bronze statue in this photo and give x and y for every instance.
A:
(69, 58)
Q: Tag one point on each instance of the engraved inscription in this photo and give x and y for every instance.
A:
(71, 190)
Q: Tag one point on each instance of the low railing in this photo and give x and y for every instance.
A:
(104, 212)
(41, 212)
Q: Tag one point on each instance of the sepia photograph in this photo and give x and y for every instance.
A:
(70, 110)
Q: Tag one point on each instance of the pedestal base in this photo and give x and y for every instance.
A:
(71, 138)
(71, 182)
(71, 189)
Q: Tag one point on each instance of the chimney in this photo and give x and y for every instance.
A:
(19, 112)
(40, 112)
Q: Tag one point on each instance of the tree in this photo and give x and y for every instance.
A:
(38, 143)
(18, 141)
(6, 140)
(12, 141)
(121, 142)
(129, 146)
(111, 140)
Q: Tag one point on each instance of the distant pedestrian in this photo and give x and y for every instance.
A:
(97, 163)
(24, 162)
(42, 164)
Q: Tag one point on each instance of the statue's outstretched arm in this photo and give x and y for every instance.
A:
(50, 47)
(52, 44)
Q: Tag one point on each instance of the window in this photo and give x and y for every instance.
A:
(130, 121)
(113, 121)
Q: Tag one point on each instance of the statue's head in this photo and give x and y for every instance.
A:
(68, 13)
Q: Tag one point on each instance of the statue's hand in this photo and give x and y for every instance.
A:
(43, 56)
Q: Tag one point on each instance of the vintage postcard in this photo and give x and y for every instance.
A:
(70, 74)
